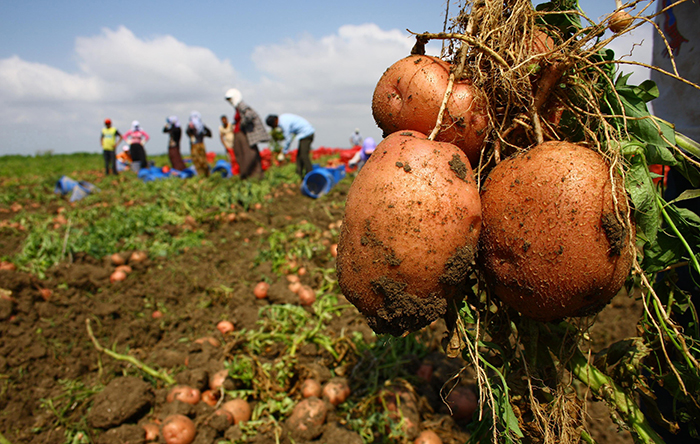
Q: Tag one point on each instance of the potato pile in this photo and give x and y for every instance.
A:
(549, 229)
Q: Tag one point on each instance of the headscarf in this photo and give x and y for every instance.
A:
(135, 125)
(196, 121)
(234, 96)
(174, 121)
(368, 147)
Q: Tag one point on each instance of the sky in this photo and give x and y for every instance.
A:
(66, 66)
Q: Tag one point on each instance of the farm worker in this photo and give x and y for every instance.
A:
(109, 139)
(226, 134)
(197, 132)
(172, 127)
(359, 159)
(252, 132)
(293, 126)
(124, 156)
(356, 138)
(137, 138)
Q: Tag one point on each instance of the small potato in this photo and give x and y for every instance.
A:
(210, 397)
(310, 387)
(137, 257)
(117, 259)
(463, 403)
(184, 393)
(336, 391)
(260, 290)
(178, 429)
(225, 327)
(217, 379)
(428, 437)
(117, 276)
(239, 408)
(307, 295)
(307, 418)
(125, 268)
(294, 287)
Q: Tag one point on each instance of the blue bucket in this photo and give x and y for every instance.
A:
(320, 181)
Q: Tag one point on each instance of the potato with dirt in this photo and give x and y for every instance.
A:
(556, 239)
(408, 97)
(411, 228)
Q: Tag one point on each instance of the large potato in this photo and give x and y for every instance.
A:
(408, 97)
(553, 242)
(410, 232)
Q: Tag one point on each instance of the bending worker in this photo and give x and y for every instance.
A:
(294, 126)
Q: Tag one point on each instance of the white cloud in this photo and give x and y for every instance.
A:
(328, 80)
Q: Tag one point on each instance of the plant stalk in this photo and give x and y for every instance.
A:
(606, 388)
(130, 359)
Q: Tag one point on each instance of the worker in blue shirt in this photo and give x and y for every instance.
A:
(292, 127)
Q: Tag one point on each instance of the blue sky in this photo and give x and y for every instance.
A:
(65, 66)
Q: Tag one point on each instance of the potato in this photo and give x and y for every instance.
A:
(411, 229)
(184, 393)
(553, 244)
(336, 391)
(178, 429)
(239, 409)
(307, 418)
(408, 97)
(310, 387)
(463, 403)
(428, 437)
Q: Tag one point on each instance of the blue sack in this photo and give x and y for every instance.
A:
(320, 180)
(151, 174)
(78, 189)
(65, 185)
(222, 167)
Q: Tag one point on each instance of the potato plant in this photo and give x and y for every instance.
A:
(559, 239)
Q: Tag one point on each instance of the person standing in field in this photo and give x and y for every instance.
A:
(226, 135)
(137, 138)
(292, 127)
(197, 131)
(252, 133)
(356, 138)
(172, 127)
(109, 140)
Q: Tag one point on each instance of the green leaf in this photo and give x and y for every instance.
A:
(647, 90)
(640, 124)
(686, 195)
(661, 155)
(643, 194)
(567, 24)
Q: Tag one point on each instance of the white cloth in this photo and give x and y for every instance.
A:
(234, 96)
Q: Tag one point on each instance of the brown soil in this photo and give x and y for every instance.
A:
(55, 382)
(53, 379)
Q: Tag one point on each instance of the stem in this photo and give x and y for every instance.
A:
(605, 387)
(667, 218)
(130, 359)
